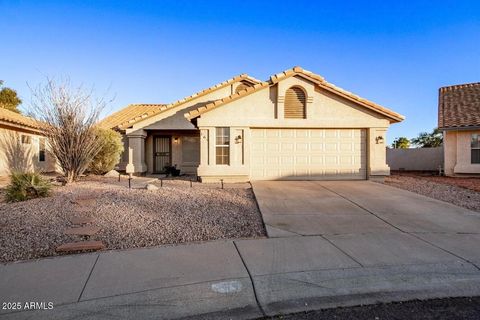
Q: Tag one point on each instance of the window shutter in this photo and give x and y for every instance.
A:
(295, 103)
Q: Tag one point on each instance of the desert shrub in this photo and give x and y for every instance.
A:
(109, 151)
(24, 186)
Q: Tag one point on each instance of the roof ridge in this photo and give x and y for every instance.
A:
(186, 99)
(297, 70)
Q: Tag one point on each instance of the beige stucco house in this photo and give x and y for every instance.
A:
(459, 118)
(295, 125)
(23, 146)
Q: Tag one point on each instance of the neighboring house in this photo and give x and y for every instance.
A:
(22, 145)
(459, 118)
(295, 125)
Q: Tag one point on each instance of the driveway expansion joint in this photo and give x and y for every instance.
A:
(447, 251)
(365, 209)
(251, 280)
(342, 251)
(88, 278)
(298, 234)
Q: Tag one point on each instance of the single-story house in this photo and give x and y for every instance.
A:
(459, 118)
(23, 146)
(295, 125)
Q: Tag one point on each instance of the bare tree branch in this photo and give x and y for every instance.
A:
(68, 116)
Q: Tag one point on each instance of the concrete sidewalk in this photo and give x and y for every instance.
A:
(241, 279)
(347, 244)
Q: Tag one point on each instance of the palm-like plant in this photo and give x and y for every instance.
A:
(429, 140)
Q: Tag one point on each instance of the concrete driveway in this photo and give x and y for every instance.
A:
(373, 224)
(307, 208)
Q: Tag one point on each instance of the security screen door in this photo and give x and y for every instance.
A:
(162, 154)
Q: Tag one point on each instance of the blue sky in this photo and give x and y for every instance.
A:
(395, 53)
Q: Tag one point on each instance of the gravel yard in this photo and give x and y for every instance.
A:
(463, 192)
(175, 213)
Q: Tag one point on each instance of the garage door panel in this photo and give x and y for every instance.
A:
(287, 146)
(287, 160)
(301, 133)
(272, 147)
(287, 133)
(317, 160)
(299, 147)
(316, 146)
(330, 146)
(347, 146)
(272, 133)
(308, 154)
(317, 134)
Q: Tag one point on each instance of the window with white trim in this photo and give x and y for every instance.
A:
(222, 145)
(475, 147)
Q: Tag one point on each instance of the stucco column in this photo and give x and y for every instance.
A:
(204, 138)
(449, 152)
(211, 146)
(122, 165)
(377, 153)
(136, 152)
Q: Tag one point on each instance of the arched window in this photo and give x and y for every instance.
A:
(241, 86)
(295, 103)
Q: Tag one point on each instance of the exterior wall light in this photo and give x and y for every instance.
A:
(379, 139)
(238, 139)
(175, 140)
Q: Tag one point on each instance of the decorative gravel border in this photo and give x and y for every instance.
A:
(130, 218)
(441, 189)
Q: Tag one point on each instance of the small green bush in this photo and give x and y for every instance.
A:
(24, 186)
(111, 147)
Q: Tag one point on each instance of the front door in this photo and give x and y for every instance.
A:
(162, 155)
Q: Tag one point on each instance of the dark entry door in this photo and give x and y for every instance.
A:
(162, 155)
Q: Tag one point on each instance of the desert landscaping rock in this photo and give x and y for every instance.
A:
(461, 193)
(112, 174)
(129, 218)
(151, 187)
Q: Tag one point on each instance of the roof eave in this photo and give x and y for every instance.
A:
(462, 128)
(19, 126)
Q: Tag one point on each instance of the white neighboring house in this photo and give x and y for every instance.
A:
(22, 145)
(295, 125)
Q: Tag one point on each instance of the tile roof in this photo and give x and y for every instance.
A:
(18, 119)
(131, 113)
(298, 71)
(139, 112)
(459, 106)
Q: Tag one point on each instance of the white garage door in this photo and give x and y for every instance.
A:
(312, 154)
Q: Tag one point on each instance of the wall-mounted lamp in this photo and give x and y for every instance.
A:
(379, 139)
(175, 140)
(238, 139)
